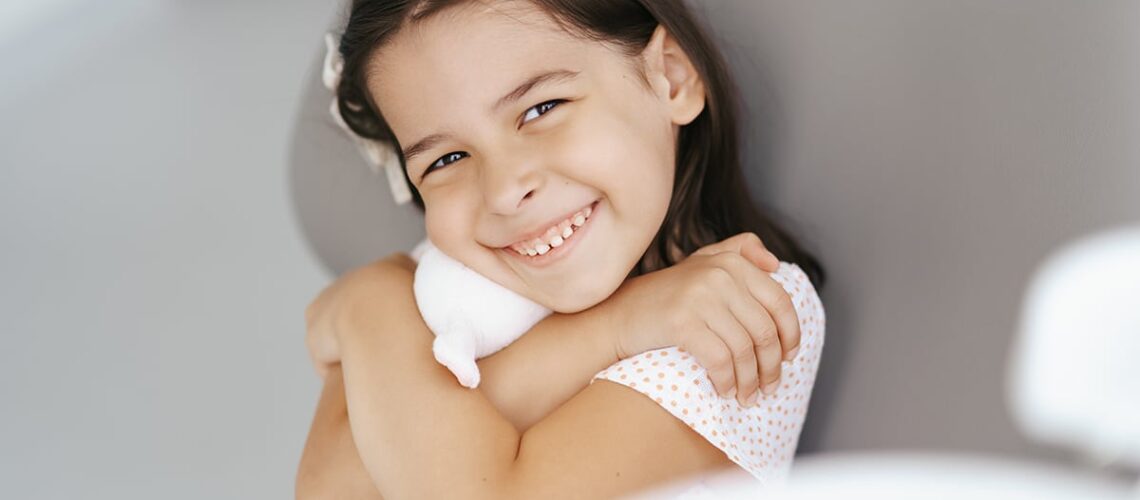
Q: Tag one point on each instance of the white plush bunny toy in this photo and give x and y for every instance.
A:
(471, 316)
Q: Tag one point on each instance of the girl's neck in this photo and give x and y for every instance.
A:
(651, 261)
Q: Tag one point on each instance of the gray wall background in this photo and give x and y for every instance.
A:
(172, 196)
(153, 276)
(934, 153)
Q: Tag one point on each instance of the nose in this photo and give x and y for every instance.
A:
(509, 184)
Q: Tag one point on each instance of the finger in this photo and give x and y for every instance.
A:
(320, 367)
(714, 356)
(734, 335)
(763, 335)
(309, 348)
(753, 249)
(775, 299)
(730, 244)
(749, 246)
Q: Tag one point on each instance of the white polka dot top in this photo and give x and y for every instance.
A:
(761, 439)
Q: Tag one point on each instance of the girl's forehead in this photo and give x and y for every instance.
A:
(472, 40)
(458, 63)
(473, 34)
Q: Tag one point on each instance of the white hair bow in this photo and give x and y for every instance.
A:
(375, 152)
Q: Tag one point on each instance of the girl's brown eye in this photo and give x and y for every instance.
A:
(543, 109)
(437, 164)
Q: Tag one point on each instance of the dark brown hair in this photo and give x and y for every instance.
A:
(710, 201)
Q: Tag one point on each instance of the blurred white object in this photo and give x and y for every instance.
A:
(909, 475)
(904, 475)
(1075, 375)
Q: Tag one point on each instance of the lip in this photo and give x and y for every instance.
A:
(549, 224)
(556, 254)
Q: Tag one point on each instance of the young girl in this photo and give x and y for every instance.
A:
(583, 154)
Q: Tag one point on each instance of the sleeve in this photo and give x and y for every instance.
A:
(761, 439)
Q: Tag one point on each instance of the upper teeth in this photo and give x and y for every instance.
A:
(554, 236)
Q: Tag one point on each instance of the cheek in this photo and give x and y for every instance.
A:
(613, 151)
(448, 225)
(592, 145)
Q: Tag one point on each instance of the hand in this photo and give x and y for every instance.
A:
(325, 314)
(719, 304)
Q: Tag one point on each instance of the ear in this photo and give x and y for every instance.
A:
(673, 77)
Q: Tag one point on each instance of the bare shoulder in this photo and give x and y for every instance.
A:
(399, 260)
(397, 265)
(609, 440)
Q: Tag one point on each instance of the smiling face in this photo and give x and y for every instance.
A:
(511, 164)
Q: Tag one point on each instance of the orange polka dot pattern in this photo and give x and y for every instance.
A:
(761, 439)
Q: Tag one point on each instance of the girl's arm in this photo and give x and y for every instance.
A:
(539, 371)
(525, 381)
(548, 365)
(422, 435)
(330, 465)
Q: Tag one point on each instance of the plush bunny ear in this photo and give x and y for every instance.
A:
(376, 153)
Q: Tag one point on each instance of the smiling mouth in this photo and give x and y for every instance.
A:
(555, 235)
(558, 241)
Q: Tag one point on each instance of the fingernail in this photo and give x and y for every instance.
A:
(792, 353)
(771, 388)
(752, 400)
(730, 394)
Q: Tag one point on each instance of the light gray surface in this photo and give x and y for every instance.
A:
(931, 152)
(153, 276)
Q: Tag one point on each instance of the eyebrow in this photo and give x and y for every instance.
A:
(544, 78)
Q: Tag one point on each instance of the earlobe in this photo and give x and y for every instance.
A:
(690, 102)
(673, 77)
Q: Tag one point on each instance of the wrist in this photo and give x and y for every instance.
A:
(605, 325)
(639, 323)
(553, 361)
(612, 320)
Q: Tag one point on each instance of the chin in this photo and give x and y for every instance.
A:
(588, 289)
(579, 298)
